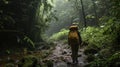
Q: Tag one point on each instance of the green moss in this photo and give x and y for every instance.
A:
(105, 53)
(114, 60)
(90, 58)
(29, 61)
(62, 35)
(10, 65)
(97, 63)
(91, 49)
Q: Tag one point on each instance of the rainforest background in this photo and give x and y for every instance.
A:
(30, 26)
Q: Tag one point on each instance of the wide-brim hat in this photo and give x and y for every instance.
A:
(73, 27)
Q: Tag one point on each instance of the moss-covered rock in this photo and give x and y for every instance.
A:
(9, 65)
(114, 60)
(90, 58)
(91, 49)
(104, 53)
(29, 61)
(97, 63)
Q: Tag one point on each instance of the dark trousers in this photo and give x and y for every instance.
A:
(74, 49)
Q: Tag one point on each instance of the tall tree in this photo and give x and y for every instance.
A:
(96, 16)
(25, 16)
(83, 11)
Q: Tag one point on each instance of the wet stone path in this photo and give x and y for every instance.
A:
(61, 56)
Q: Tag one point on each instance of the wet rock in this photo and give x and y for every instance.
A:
(68, 62)
(70, 52)
(60, 64)
(16, 61)
(80, 50)
(67, 59)
(29, 61)
(1, 60)
(49, 63)
(10, 65)
(64, 52)
(79, 55)
(62, 56)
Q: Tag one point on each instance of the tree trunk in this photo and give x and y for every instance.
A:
(96, 16)
(83, 13)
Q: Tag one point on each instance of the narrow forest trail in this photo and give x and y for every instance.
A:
(61, 56)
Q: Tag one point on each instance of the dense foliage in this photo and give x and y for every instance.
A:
(62, 35)
(103, 40)
(23, 20)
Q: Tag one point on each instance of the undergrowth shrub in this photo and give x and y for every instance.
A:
(90, 58)
(105, 53)
(94, 38)
(91, 49)
(114, 60)
(103, 43)
(29, 61)
(97, 63)
(62, 35)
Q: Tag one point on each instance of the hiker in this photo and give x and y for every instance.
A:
(74, 40)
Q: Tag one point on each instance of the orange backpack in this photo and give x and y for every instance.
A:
(73, 37)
